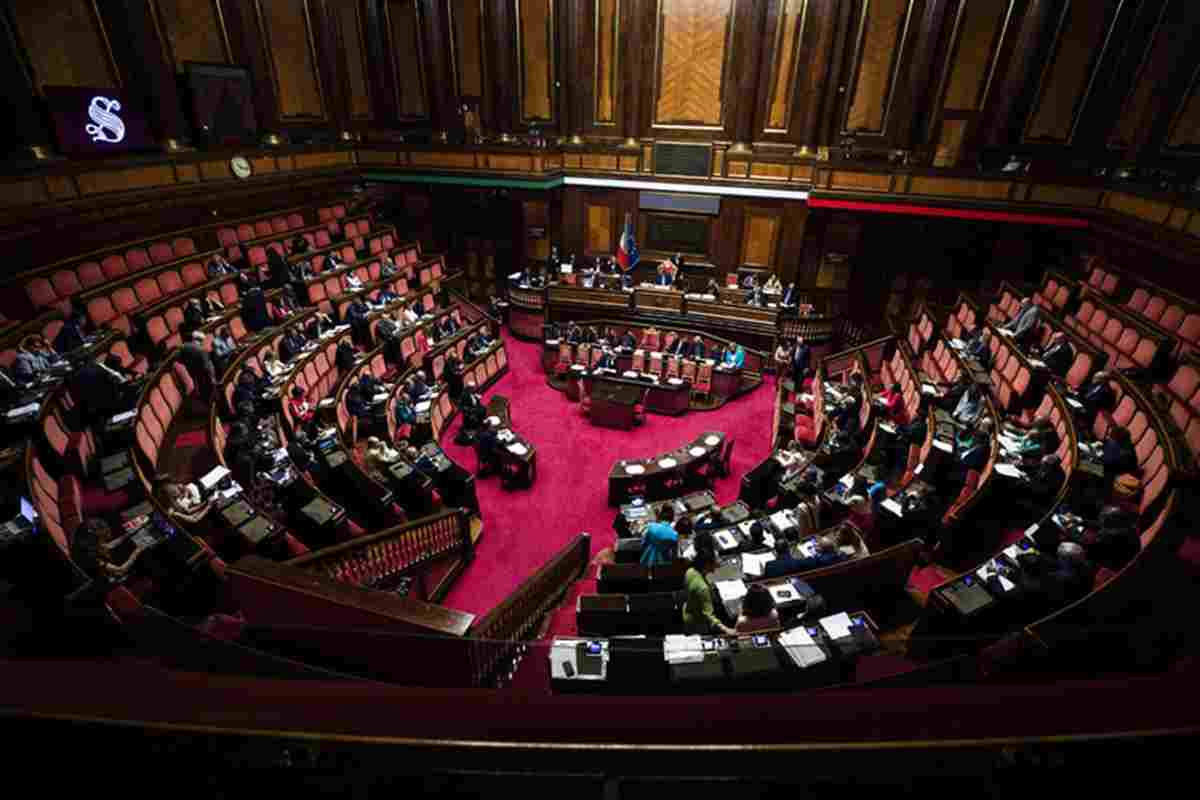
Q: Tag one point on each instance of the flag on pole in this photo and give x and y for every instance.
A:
(627, 249)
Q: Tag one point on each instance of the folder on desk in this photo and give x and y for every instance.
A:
(725, 540)
(1073, 403)
(836, 626)
(891, 505)
(679, 649)
(801, 647)
(214, 476)
(1009, 471)
(755, 564)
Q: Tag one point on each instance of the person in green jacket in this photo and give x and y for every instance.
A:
(698, 614)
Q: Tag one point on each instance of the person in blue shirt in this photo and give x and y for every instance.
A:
(660, 540)
(735, 358)
(664, 276)
(785, 563)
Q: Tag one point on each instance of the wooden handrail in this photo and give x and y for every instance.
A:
(497, 635)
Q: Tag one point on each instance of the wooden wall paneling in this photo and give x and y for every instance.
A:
(247, 47)
(192, 30)
(500, 24)
(745, 57)
(1028, 41)
(407, 57)
(914, 103)
(883, 28)
(974, 33)
(465, 23)
(599, 228)
(352, 49)
(289, 39)
(1184, 133)
(64, 43)
(1150, 62)
(779, 78)
(760, 237)
(1081, 42)
(606, 62)
(441, 88)
(834, 98)
(538, 69)
(693, 45)
(150, 79)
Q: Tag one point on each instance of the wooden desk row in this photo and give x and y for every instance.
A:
(668, 474)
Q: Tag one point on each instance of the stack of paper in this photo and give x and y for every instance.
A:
(1009, 471)
(891, 505)
(517, 449)
(929, 388)
(116, 419)
(957, 344)
(213, 477)
(755, 564)
(688, 551)
(989, 569)
(731, 593)
(943, 446)
(422, 407)
(683, 649)
(837, 626)
(744, 526)
(801, 647)
(782, 520)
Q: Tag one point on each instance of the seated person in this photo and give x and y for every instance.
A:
(972, 449)
(758, 611)
(1041, 439)
(699, 613)
(405, 415)
(772, 284)
(1071, 575)
(299, 273)
(302, 412)
(320, 325)
(32, 362)
(218, 266)
(290, 346)
(734, 359)
(970, 406)
(607, 360)
(352, 282)
(1044, 481)
(1058, 355)
(284, 305)
(682, 347)
(379, 455)
(299, 245)
(827, 553)
(1025, 321)
(789, 296)
(698, 349)
(1096, 396)
(574, 334)
(273, 366)
(478, 344)
(387, 267)
(627, 341)
(411, 316)
(385, 296)
(665, 275)
(76, 328)
(345, 357)
(183, 502)
(1114, 541)
(1119, 456)
(92, 548)
(248, 388)
(418, 390)
(894, 409)
(224, 346)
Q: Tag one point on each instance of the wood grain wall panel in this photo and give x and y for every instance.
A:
(760, 237)
(287, 34)
(692, 42)
(785, 58)
(1155, 70)
(1069, 195)
(860, 181)
(65, 44)
(1185, 129)
(191, 30)
(598, 221)
(882, 29)
(960, 187)
(980, 28)
(1066, 80)
(353, 43)
(124, 180)
(466, 20)
(408, 62)
(607, 67)
(950, 142)
(535, 48)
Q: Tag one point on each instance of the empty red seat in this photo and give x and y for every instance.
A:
(279, 224)
(147, 291)
(114, 267)
(193, 274)
(137, 259)
(295, 221)
(262, 228)
(161, 253)
(245, 232)
(183, 247)
(41, 293)
(66, 283)
(227, 237)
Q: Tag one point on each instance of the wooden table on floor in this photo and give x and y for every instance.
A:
(518, 456)
(613, 404)
(668, 474)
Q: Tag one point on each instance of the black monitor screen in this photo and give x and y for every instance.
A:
(222, 103)
(89, 121)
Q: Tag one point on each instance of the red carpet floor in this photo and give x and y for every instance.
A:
(524, 528)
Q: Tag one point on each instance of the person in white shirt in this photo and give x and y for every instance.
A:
(379, 454)
(273, 365)
(353, 281)
(411, 317)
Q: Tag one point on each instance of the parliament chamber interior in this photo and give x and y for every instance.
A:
(564, 392)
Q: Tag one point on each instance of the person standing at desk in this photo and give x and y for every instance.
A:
(660, 539)
(801, 359)
(699, 615)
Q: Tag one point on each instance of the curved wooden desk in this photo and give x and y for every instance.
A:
(668, 474)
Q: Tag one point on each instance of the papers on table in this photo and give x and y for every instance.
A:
(920, 468)
(731, 594)
(887, 426)
(667, 463)
(957, 344)
(1008, 442)
(943, 446)
(379, 397)
(801, 647)
(1032, 529)
(1009, 471)
(744, 527)
(326, 403)
(929, 388)
(891, 505)
(696, 452)
(725, 540)
(712, 441)
(688, 551)
(674, 381)
(518, 449)
(117, 419)
(422, 407)
(1073, 403)
(782, 520)
(634, 469)
(990, 569)
(837, 626)
(754, 564)
(1006, 332)
(213, 477)
(683, 649)
(493, 420)
(1037, 362)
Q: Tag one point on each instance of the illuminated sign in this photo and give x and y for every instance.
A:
(108, 126)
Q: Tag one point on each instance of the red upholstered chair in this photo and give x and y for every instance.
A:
(639, 361)
(262, 228)
(673, 367)
(161, 253)
(804, 429)
(656, 363)
(294, 221)
(583, 354)
(688, 371)
(703, 383)
(137, 259)
(41, 293)
(66, 282)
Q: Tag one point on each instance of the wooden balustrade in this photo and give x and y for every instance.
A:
(497, 636)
